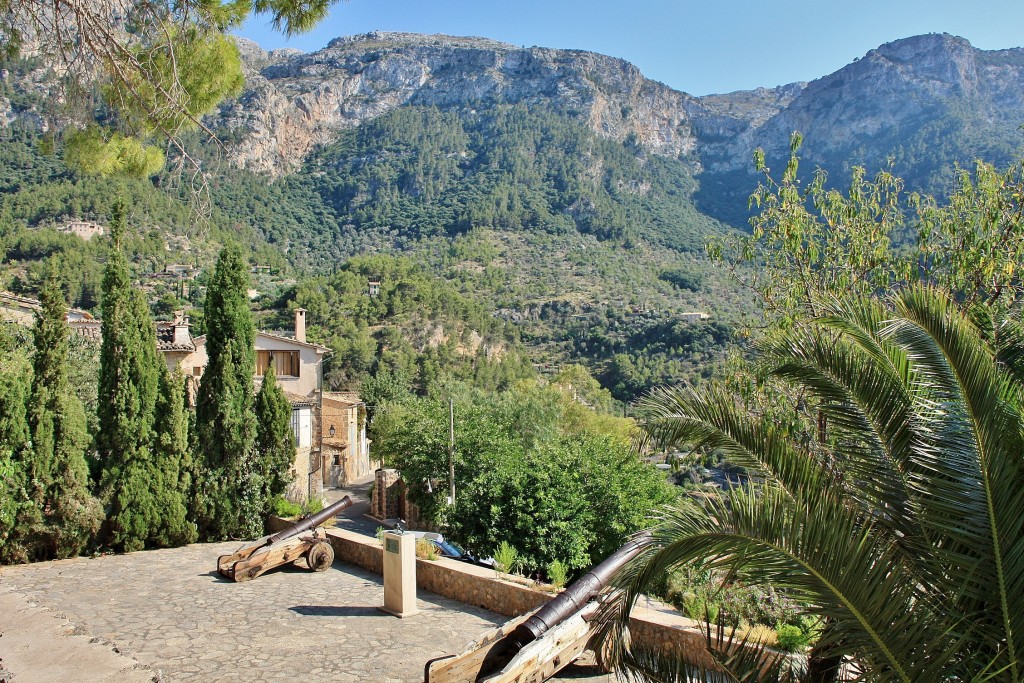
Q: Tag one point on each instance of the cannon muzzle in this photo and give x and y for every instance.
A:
(311, 522)
(579, 593)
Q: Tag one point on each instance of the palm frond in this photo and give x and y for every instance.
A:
(711, 417)
(974, 453)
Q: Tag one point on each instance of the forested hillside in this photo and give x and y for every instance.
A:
(551, 195)
(558, 244)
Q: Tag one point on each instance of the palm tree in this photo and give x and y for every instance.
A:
(901, 524)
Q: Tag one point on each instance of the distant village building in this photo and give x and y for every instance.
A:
(180, 270)
(174, 341)
(693, 316)
(374, 287)
(84, 229)
(22, 310)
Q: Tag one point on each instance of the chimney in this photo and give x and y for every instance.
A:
(181, 333)
(300, 324)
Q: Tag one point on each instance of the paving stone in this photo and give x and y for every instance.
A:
(170, 611)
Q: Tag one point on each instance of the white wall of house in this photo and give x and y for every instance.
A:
(301, 377)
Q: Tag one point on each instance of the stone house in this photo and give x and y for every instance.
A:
(345, 448)
(298, 367)
(84, 229)
(22, 310)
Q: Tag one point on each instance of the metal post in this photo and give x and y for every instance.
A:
(451, 451)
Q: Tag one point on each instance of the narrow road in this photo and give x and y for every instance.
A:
(353, 518)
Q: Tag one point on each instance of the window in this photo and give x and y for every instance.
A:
(286, 363)
(302, 426)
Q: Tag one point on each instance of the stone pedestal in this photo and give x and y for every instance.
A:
(399, 574)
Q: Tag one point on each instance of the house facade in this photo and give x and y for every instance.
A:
(345, 449)
(298, 367)
(84, 229)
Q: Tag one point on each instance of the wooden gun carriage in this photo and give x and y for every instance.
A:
(288, 545)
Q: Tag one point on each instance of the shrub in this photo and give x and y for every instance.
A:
(286, 508)
(425, 550)
(506, 558)
(791, 638)
(557, 574)
(765, 635)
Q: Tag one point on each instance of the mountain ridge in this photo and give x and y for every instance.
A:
(865, 113)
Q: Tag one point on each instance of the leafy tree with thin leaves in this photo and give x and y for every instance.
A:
(229, 499)
(158, 65)
(898, 523)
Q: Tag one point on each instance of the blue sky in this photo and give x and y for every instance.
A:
(708, 46)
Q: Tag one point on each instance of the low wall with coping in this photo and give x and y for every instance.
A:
(481, 587)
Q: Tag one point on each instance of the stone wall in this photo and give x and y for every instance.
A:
(390, 499)
(298, 488)
(481, 587)
(457, 580)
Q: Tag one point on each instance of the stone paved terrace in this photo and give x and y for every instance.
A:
(166, 615)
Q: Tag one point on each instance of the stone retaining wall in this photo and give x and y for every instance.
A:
(457, 580)
(481, 587)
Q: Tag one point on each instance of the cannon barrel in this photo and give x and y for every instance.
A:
(581, 591)
(310, 522)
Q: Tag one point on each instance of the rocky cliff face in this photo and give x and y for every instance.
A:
(886, 95)
(296, 101)
(924, 101)
(862, 114)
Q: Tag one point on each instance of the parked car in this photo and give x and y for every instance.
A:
(452, 550)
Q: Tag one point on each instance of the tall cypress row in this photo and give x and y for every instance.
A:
(62, 516)
(229, 497)
(141, 503)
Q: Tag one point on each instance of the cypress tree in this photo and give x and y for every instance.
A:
(63, 516)
(275, 440)
(174, 462)
(15, 379)
(229, 497)
(142, 503)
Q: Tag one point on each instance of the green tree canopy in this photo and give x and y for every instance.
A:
(555, 487)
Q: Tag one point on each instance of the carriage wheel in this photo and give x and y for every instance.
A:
(320, 556)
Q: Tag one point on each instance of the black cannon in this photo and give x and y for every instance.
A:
(287, 545)
(537, 646)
